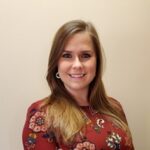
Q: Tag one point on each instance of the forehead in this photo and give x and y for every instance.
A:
(79, 40)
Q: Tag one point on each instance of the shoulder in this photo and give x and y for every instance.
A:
(37, 105)
(115, 103)
(36, 109)
(117, 107)
(36, 116)
(35, 135)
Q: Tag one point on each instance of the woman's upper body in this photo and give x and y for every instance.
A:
(99, 132)
(78, 115)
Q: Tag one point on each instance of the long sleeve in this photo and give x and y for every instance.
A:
(35, 136)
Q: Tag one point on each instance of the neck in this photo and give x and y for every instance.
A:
(81, 96)
(82, 101)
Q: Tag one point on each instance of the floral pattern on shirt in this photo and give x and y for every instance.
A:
(99, 125)
(113, 140)
(38, 129)
(37, 122)
(31, 141)
(85, 146)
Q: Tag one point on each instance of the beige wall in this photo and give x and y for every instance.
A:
(26, 30)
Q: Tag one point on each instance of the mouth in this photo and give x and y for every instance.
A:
(77, 75)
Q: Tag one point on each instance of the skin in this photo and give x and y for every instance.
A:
(77, 66)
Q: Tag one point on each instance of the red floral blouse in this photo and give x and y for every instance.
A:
(99, 133)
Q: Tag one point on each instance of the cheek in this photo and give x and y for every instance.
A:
(92, 67)
(62, 66)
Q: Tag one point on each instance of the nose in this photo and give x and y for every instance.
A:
(77, 63)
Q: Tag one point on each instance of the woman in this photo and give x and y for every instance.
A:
(78, 115)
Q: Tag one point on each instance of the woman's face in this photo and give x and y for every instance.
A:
(77, 65)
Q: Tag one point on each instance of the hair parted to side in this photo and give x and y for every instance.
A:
(63, 114)
(60, 40)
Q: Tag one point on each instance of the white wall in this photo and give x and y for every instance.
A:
(26, 30)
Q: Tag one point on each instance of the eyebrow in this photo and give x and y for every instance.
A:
(87, 51)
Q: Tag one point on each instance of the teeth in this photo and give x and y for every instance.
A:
(77, 75)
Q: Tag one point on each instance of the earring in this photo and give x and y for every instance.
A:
(57, 75)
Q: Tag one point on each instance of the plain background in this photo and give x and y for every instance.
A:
(27, 28)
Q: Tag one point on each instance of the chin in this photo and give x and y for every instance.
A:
(77, 87)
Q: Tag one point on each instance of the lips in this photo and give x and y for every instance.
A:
(77, 75)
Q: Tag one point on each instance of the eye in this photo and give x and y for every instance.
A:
(67, 55)
(86, 55)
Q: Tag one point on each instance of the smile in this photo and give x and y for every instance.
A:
(76, 75)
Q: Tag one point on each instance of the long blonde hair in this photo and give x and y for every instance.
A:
(63, 114)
